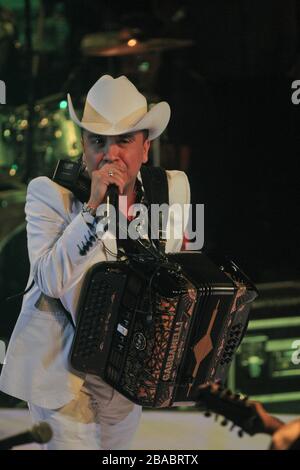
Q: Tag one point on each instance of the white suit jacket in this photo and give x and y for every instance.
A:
(37, 367)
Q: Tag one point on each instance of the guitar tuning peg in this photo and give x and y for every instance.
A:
(216, 417)
(224, 422)
(240, 433)
(207, 414)
(232, 427)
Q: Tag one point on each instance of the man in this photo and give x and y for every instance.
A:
(83, 411)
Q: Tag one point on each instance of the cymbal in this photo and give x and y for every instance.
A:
(135, 46)
(100, 40)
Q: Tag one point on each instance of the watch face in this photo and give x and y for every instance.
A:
(88, 209)
(88, 214)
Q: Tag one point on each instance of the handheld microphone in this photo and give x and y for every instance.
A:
(112, 198)
(40, 433)
(112, 195)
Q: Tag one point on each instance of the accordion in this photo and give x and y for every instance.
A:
(157, 331)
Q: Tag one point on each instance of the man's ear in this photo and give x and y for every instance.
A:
(146, 147)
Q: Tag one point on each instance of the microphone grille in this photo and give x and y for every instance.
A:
(42, 432)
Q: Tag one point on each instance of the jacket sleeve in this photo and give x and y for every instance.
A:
(54, 238)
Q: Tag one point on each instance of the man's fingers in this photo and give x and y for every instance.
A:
(115, 179)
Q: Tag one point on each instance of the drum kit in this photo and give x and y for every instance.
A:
(55, 136)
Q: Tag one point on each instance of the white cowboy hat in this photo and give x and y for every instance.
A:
(114, 106)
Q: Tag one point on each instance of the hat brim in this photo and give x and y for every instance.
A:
(155, 121)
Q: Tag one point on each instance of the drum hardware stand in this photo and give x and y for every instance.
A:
(32, 71)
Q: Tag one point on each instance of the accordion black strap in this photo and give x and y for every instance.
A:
(155, 183)
(156, 187)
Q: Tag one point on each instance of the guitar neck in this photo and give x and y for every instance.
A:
(249, 416)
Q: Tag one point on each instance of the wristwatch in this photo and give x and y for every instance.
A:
(88, 213)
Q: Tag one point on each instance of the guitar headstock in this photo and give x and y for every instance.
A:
(249, 416)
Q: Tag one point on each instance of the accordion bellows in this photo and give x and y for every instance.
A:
(156, 332)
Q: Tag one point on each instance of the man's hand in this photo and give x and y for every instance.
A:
(286, 436)
(109, 173)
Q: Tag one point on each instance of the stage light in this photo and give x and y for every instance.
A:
(63, 104)
(132, 42)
